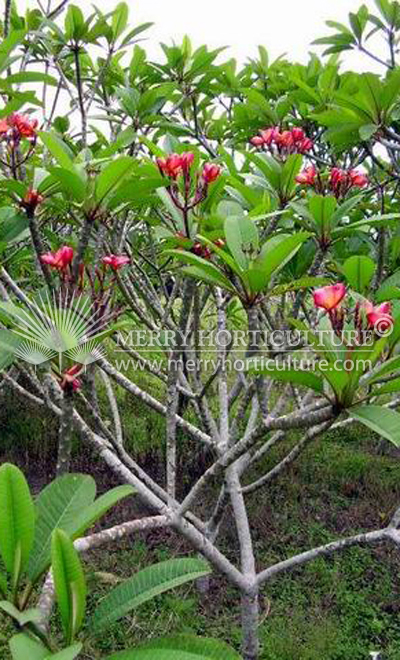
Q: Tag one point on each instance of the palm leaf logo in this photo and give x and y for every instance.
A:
(55, 326)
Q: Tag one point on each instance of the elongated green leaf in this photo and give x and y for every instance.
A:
(119, 19)
(223, 254)
(112, 176)
(9, 343)
(296, 285)
(8, 45)
(72, 185)
(359, 271)
(373, 221)
(58, 149)
(23, 647)
(27, 616)
(17, 520)
(201, 269)
(59, 505)
(383, 421)
(69, 583)
(322, 209)
(388, 388)
(387, 368)
(274, 255)
(285, 374)
(75, 27)
(13, 225)
(67, 654)
(181, 647)
(31, 77)
(290, 170)
(145, 585)
(97, 509)
(242, 237)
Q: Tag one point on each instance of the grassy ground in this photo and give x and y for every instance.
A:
(340, 608)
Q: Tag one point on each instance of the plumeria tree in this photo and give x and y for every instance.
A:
(240, 223)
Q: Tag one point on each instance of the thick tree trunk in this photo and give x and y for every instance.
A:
(250, 622)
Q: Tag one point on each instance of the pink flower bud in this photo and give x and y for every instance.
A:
(186, 161)
(304, 146)
(329, 297)
(211, 172)
(69, 381)
(60, 259)
(358, 179)
(307, 177)
(32, 199)
(257, 141)
(379, 318)
(298, 134)
(170, 166)
(24, 126)
(269, 135)
(285, 139)
(116, 261)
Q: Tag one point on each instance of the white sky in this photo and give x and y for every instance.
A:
(282, 26)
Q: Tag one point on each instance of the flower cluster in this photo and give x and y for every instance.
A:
(17, 126)
(367, 317)
(175, 165)
(61, 260)
(283, 143)
(341, 181)
(337, 181)
(193, 188)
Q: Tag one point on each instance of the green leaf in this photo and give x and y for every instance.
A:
(290, 170)
(69, 583)
(322, 210)
(143, 586)
(112, 176)
(9, 343)
(22, 618)
(59, 505)
(23, 647)
(296, 285)
(385, 369)
(97, 509)
(367, 131)
(181, 647)
(67, 654)
(13, 225)
(201, 269)
(75, 27)
(31, 77)
(286, 375)
(7, 46)
(275, 253)
(58, 149)
(383, 421)
(388, 388)
(373, 221)
(17, 520)
(119, 19)
(71, 183)
(359, 271)
(242, 237)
